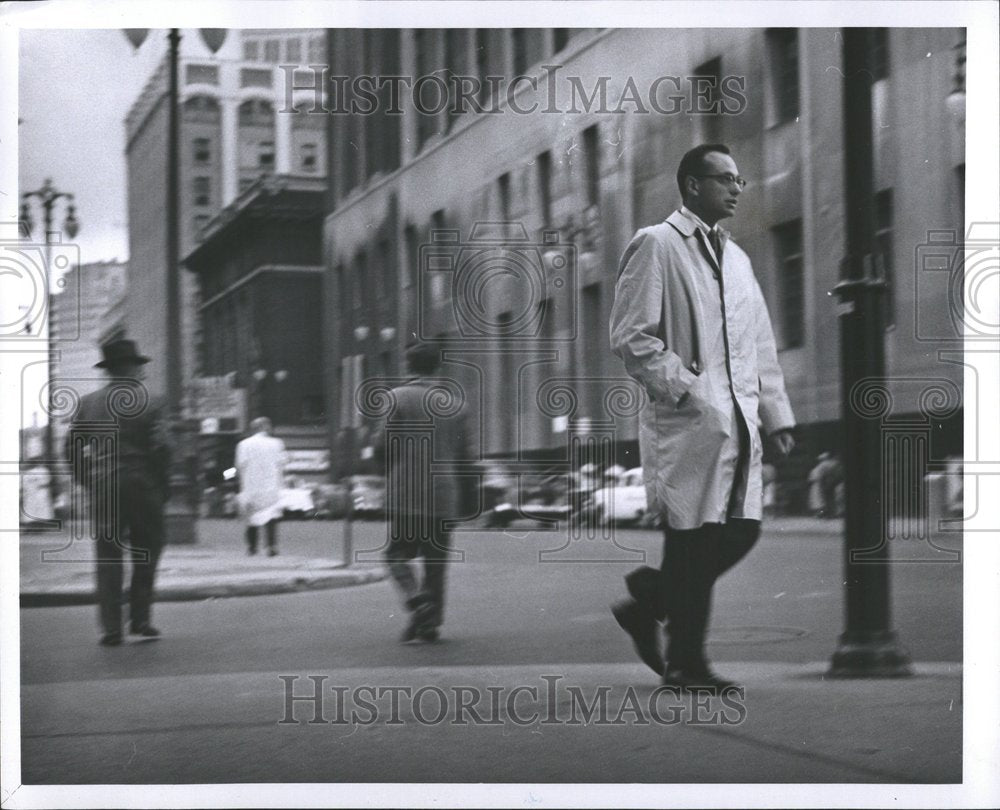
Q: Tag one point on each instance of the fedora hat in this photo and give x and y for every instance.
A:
(120, 351)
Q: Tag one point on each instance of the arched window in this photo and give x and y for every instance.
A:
(204, 109)
(256, 112)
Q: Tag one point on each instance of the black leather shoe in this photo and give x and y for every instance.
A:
(420, 611)
(642, 627)
(111, 639)
(429, 633)
(697, 680)
(145, 631)
(410, 633)
(272, 552)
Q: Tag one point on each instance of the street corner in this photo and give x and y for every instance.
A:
(180, 580)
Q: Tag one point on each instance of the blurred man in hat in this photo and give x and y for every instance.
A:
(421, 429)
(117, 446)
(691, 324)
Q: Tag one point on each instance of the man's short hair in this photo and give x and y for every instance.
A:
(422, 357)
(261, 424)
(694, 162)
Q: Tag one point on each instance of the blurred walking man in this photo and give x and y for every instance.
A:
(260, 464)
(691, 324)
(421, 438)
(118, 450)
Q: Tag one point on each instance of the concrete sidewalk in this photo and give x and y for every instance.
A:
(57, 570)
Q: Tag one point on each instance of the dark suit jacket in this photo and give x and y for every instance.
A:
(119, 428)
(423, 437)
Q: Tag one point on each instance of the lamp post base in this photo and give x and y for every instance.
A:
(870, 655)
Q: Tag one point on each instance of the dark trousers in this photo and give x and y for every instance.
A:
(681, 591)
(411, 538)
(270, 531)
(140, 517)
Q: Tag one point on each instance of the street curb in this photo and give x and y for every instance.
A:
(69, 596)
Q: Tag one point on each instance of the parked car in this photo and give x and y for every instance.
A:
(622, 499)
(331, 500)
(297, 501)
(533, 496)
(368, 496)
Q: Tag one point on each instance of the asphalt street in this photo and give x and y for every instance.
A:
(204, 704)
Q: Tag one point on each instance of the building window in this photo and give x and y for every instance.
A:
(200, 222)
(412, 256)
(201, 109)
(707, 100)
(788, 251)
(544, 164)
(593, 344)
(245, 183)
(383, 274)
(293, 50)
(592, 156)
(427, 127)
(880, 54)
(783, 56)
(202, 151)
(202, 190)
(960, 190)
(256, 113)
(255, 77)
(519, 47)
(454, 62)
(251, 50)
(202, 74)
(883, 238)
(265, 155)
(317, 50)
(560, 38)
(272, 50)
(483, 64)
(357, 284)
(307, 158)
(527, 47)
(503, 186)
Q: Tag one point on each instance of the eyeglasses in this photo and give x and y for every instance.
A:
(727, 178)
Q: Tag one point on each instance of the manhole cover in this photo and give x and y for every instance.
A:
(755, 635)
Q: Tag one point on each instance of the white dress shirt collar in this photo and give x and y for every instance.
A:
(698, 220)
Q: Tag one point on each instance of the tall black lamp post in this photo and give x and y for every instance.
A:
(47, 196)
(868, 647)
(180, 508)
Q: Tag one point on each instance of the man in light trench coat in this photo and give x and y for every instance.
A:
(260, 463)
(691, 324)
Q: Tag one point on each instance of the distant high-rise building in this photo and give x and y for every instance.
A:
(83, 319)
(231, 133)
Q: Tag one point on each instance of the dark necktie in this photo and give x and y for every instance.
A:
(716, 239)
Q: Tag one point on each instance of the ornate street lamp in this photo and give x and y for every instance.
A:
(48, 195)
(179, 510)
